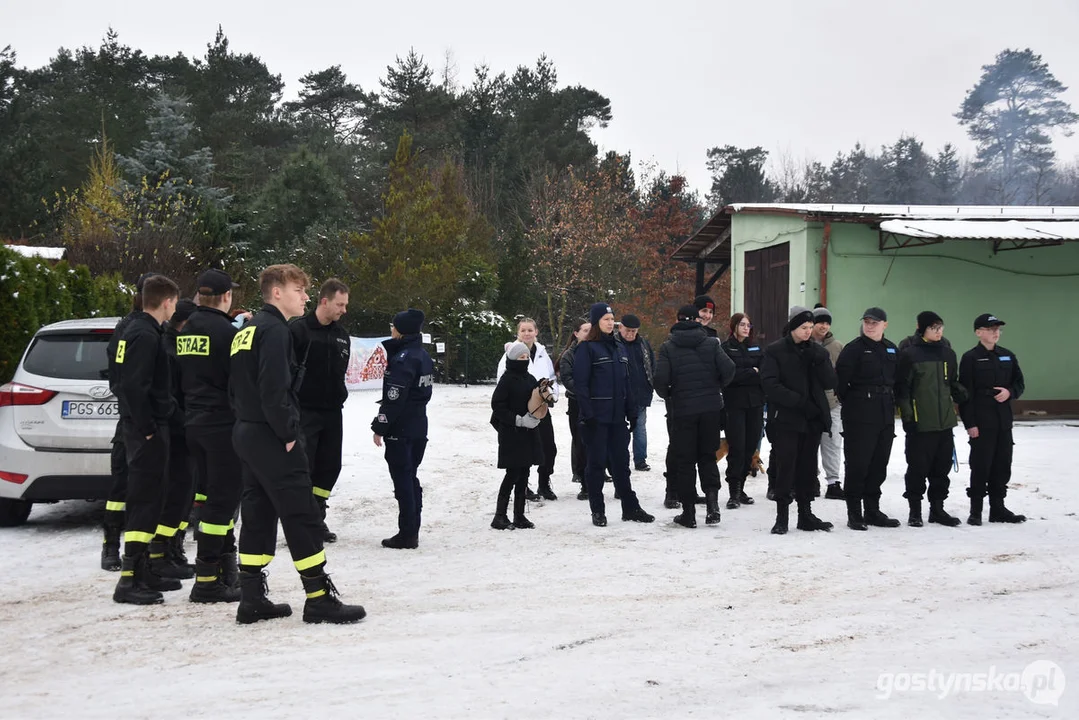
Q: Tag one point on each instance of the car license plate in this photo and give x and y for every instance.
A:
(78, 410)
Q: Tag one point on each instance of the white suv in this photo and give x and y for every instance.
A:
(57, 419)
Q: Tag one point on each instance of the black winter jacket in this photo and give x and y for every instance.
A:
(867, 371)
(692, 370)
(601, 382)
(794, 377)
(324, 351)
(980, 372)
(564, 371)
(406, 389)
(264, 374)
(203, 348)
(517, 447)
(745, 390)
(143, 386)
(642, 367)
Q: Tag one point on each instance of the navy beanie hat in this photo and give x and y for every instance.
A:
(408, 322)
(597, 311)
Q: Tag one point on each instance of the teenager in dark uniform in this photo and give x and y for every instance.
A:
(690, 374)
(992, 377)
(144, 392)
(795, 373)
(203, 349)
(263, 380)
(519, 446)
(115, 503)
(323, 347)
(564, 372)
(608, 413)
(866, 370)
(402, 421)
(743, 405)
(926, 390)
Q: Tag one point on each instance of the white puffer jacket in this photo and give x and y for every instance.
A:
(541, 366)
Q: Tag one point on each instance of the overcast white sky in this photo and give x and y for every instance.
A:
(806, 77)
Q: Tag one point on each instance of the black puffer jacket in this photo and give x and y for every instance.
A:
(692, 371)
(517, 447)
(794, 377)
(867, 371)
(745, 390)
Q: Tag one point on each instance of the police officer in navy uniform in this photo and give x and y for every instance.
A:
(991, 375)
(867, 372)
(402, 421)
(263, 380)
(143, 391)
(203, 349)
(323, 348)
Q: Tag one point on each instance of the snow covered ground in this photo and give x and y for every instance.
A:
(573, 621)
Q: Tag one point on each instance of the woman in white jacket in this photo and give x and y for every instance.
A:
(541, 367)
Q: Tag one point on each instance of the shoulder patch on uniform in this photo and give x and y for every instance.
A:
(891, 350)
(393, 393)
(121, 351)
(1004, 358)
(243, 340)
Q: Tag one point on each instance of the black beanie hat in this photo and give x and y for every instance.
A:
(797, 317)
(927, 319)
(408, 322)
(598, 311)
(631, 321)
(184, 309)
(703, 301)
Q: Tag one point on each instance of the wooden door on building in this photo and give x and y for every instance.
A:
(767, 282)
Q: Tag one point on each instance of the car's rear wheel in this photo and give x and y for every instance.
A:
(13, 512)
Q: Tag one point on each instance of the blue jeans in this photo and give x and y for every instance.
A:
(640, 438)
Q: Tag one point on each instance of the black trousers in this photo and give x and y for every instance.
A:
(671, 473)
(866, 449)
(147, 468)
(991, 462)
(515, 481)
(546, 434)
(929, 456)
(324, 432)
(403, 456)
(216, 461)
(276, 485)
(179, 488)
(743, 435)
(608, 447)
(577, 458)
(693, 442)
(116, 502)
(796, 464)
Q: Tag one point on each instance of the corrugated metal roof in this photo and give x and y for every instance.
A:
(915, 212)
(1030, 230)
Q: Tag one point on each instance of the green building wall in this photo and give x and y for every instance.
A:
(1036, 290)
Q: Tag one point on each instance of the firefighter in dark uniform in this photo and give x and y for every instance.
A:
(113, 523)
(867, 370)
(263, 381)
(203, 348)
(992, 377)
(167, 557)
(323, 347)
(402, 421)
(144, 393)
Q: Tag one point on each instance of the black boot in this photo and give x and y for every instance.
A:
(522, 523)
(545, 490)
(874, 517)
(732, 501)
(532, 497)
(401, 542)
(145, 574)
(599, 519)
(254, 605)
(782, 518)
(501, 522)
(1000, 514)
(975, 517)
(110, 549)
(328, 536)
(835, 492)
(742, 497)
(711, 505)
(323, 605)
(915, 518)
(129, 590)
(163, 566)
(855, 521)
(808, 521)
(637, 515)
(519, 520)
(230, 570)
(502, 504)
(583, 494)
(670, 500)
(208, 587)
(174, 550)
(937, 514)
(687, 519)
